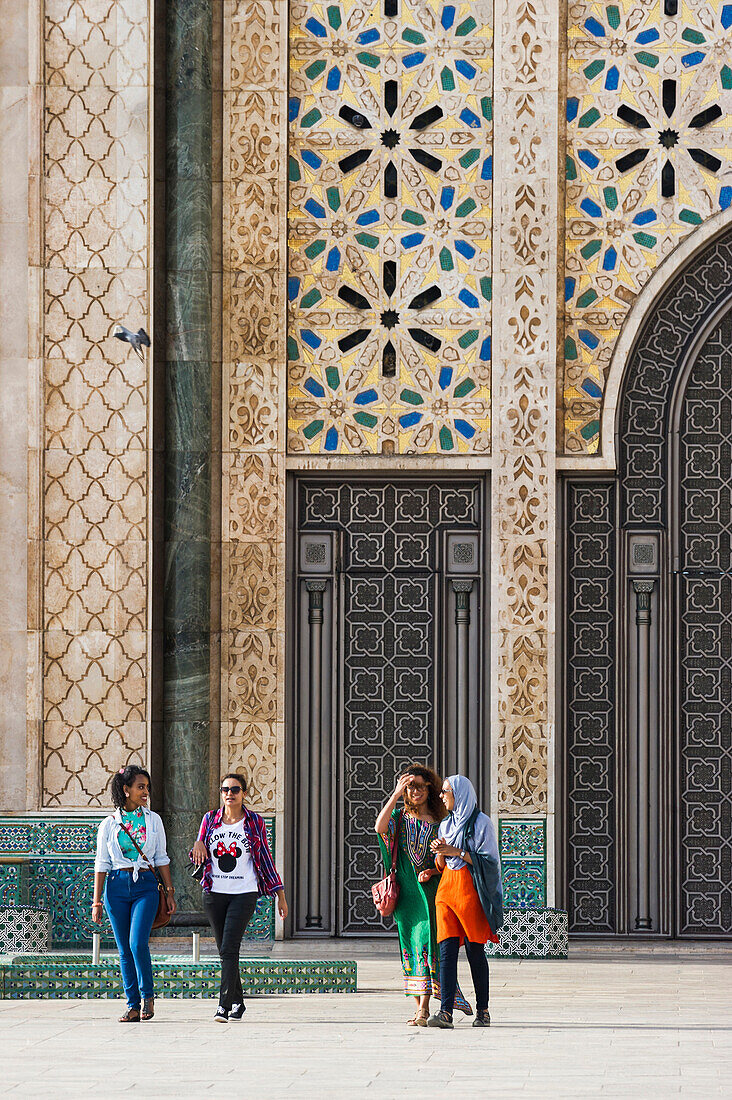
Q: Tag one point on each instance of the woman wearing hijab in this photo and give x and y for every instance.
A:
(466, 852)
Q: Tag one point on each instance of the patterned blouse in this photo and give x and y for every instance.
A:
(415, 836)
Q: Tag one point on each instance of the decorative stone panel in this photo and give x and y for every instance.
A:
(95, 225)
(649, 132)
(524, 407)
(253, 582)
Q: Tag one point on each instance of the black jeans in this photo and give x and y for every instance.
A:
(449, 950)
(228, 915)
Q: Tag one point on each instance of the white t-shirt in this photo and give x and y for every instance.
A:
(232, 868)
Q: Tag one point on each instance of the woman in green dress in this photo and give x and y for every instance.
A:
(418, 878)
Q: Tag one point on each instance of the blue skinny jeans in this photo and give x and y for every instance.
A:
(131, 907)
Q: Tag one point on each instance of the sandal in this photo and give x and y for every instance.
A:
(148, 1008)
(418, 1020)
(131, 1016)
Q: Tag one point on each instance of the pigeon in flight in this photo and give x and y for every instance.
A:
(137, 340)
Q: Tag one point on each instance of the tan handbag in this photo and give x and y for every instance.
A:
(162, 917)
(386, 892)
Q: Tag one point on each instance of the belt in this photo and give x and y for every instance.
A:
(140, 870)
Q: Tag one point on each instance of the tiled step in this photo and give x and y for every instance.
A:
(73, 976)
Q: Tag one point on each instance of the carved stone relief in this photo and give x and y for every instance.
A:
(255, 196)
(524, 370)
(94, 552)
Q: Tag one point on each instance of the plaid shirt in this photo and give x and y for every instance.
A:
(268, 881)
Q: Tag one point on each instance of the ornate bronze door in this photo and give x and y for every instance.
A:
(647, 634)
(704, 594)
(389, 669)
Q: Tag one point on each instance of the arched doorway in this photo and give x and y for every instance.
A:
(648, 634)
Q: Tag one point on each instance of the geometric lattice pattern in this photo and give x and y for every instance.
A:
(532, 934)
(390, 220)
(95, 254)
(591, 706)
(390, 557)
(24, 928)
(522, 845)
(705, 640)
(649, 132)
(73, 976)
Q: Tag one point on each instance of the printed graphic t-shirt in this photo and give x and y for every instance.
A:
(232, 868)
(133, 822)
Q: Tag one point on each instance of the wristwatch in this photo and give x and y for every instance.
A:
(462, 855)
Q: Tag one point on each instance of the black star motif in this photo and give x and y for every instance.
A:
(668, 138)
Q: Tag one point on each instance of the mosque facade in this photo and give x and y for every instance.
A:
(430, 457)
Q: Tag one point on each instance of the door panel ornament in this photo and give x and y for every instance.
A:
(399, 612)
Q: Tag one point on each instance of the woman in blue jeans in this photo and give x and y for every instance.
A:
(129, 885)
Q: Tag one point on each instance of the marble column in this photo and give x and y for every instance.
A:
(16, 364)
(187, 600)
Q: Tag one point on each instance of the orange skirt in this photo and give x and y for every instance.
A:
(459, 912)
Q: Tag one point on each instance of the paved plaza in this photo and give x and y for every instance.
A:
(607, 1022)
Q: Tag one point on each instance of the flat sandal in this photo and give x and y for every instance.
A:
(131, 1016)
(148, 1008)
(418, 1020)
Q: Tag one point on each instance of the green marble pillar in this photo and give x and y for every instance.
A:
(187, 601)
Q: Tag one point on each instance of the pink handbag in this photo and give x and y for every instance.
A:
(386, 892)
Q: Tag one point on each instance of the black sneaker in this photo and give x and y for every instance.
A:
(222, 1015)
(237, 1011)
(482, 1019)
(442, 1019)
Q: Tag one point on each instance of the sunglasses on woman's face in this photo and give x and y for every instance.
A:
(230, 790)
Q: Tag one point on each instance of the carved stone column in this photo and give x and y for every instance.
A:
(526, 112)
(462, 590)
(643, 590)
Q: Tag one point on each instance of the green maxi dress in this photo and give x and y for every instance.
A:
(415, 910)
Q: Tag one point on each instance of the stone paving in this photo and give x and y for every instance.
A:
(604, 1023)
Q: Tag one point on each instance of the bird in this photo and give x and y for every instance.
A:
(137, 340)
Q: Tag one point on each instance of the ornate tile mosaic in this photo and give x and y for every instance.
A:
(649, 134)
(532, 934)
(57, 861)
(390, 178)
(24, 928)
(73, 976)
(11, 886)
(522, 845)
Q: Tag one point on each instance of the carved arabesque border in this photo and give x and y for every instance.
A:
(254, 274)
(524, 385)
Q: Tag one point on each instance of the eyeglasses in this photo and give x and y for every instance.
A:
(417, 786)
(230, 790)
(446, 790)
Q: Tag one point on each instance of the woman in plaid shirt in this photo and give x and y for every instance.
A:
(237, 869)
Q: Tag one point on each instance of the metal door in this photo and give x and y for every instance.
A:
(704, 601)
(389, 669)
